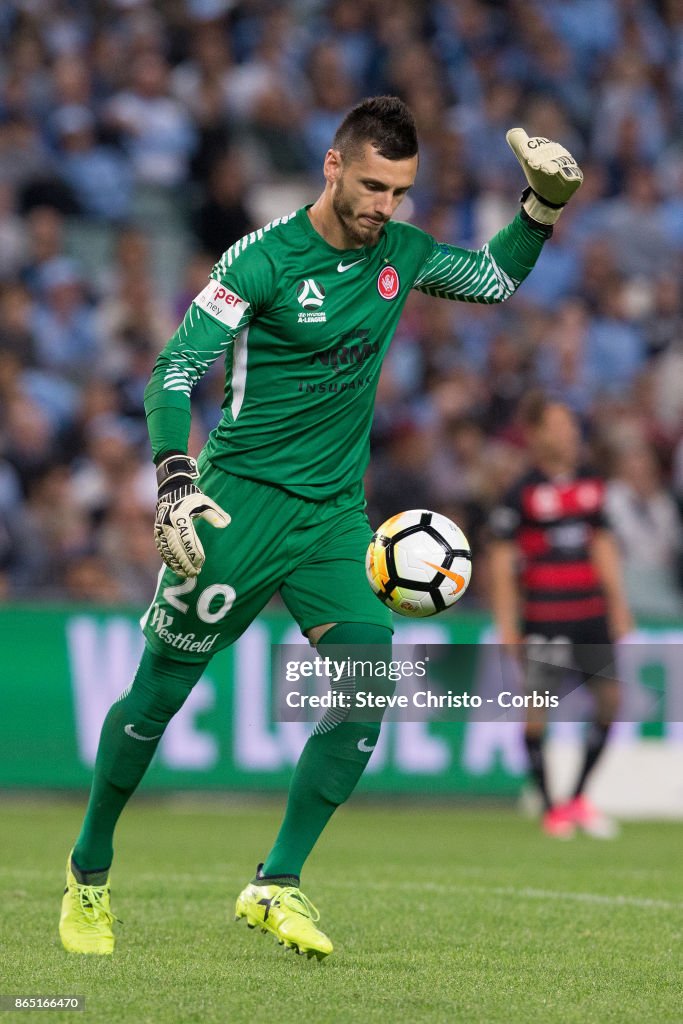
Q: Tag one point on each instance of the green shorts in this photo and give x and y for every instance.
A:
(312, 552)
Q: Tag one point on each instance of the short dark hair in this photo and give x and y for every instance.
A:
(533, 408)
(384, 121)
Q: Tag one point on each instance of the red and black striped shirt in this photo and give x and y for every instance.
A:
(552, 522)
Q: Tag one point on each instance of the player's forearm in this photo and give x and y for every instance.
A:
(505, 605)
(517, 246)
(167, 403)
(167, 406)
(168, 425)
(504, 592)
(605, 557)
(198, 341)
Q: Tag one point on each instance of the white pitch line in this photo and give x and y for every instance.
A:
(619, 900)
(524, 893)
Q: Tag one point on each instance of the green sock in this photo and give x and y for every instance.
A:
(328, 770)
(159, 689)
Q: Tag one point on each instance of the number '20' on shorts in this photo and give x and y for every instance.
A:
(313, 553)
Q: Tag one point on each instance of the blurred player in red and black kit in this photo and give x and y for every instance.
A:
(555, 578)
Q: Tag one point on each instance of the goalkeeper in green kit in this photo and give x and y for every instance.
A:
(303, 311)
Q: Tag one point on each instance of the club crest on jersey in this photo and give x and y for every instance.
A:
(589, 494)
(545, 502)
(310, 295)
(388, 282)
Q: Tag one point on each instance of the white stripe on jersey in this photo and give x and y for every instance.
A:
(447, 276)
(239, 372)
(241, 244)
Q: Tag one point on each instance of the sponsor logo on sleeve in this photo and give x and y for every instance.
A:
(222, 304)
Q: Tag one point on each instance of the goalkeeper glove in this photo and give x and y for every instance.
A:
(179, 502)
(552, 172)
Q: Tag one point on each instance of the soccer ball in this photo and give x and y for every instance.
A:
(419, 563)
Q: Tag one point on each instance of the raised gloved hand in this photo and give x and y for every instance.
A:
(552, 172)
(179, 502)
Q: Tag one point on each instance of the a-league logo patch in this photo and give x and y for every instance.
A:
(310, 295)
(388, 282)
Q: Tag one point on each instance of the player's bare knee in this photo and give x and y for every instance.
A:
(608, 700)
(534, 726)
(316, 633)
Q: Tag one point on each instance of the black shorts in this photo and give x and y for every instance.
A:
(568, 653)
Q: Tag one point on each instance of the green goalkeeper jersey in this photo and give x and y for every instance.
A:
(304, 328)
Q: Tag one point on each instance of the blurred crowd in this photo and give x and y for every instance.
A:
(138, 140)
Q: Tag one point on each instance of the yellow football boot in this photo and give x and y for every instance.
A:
(86, 922)
(288, 914)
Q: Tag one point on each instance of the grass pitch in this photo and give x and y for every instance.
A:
(437, 915)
